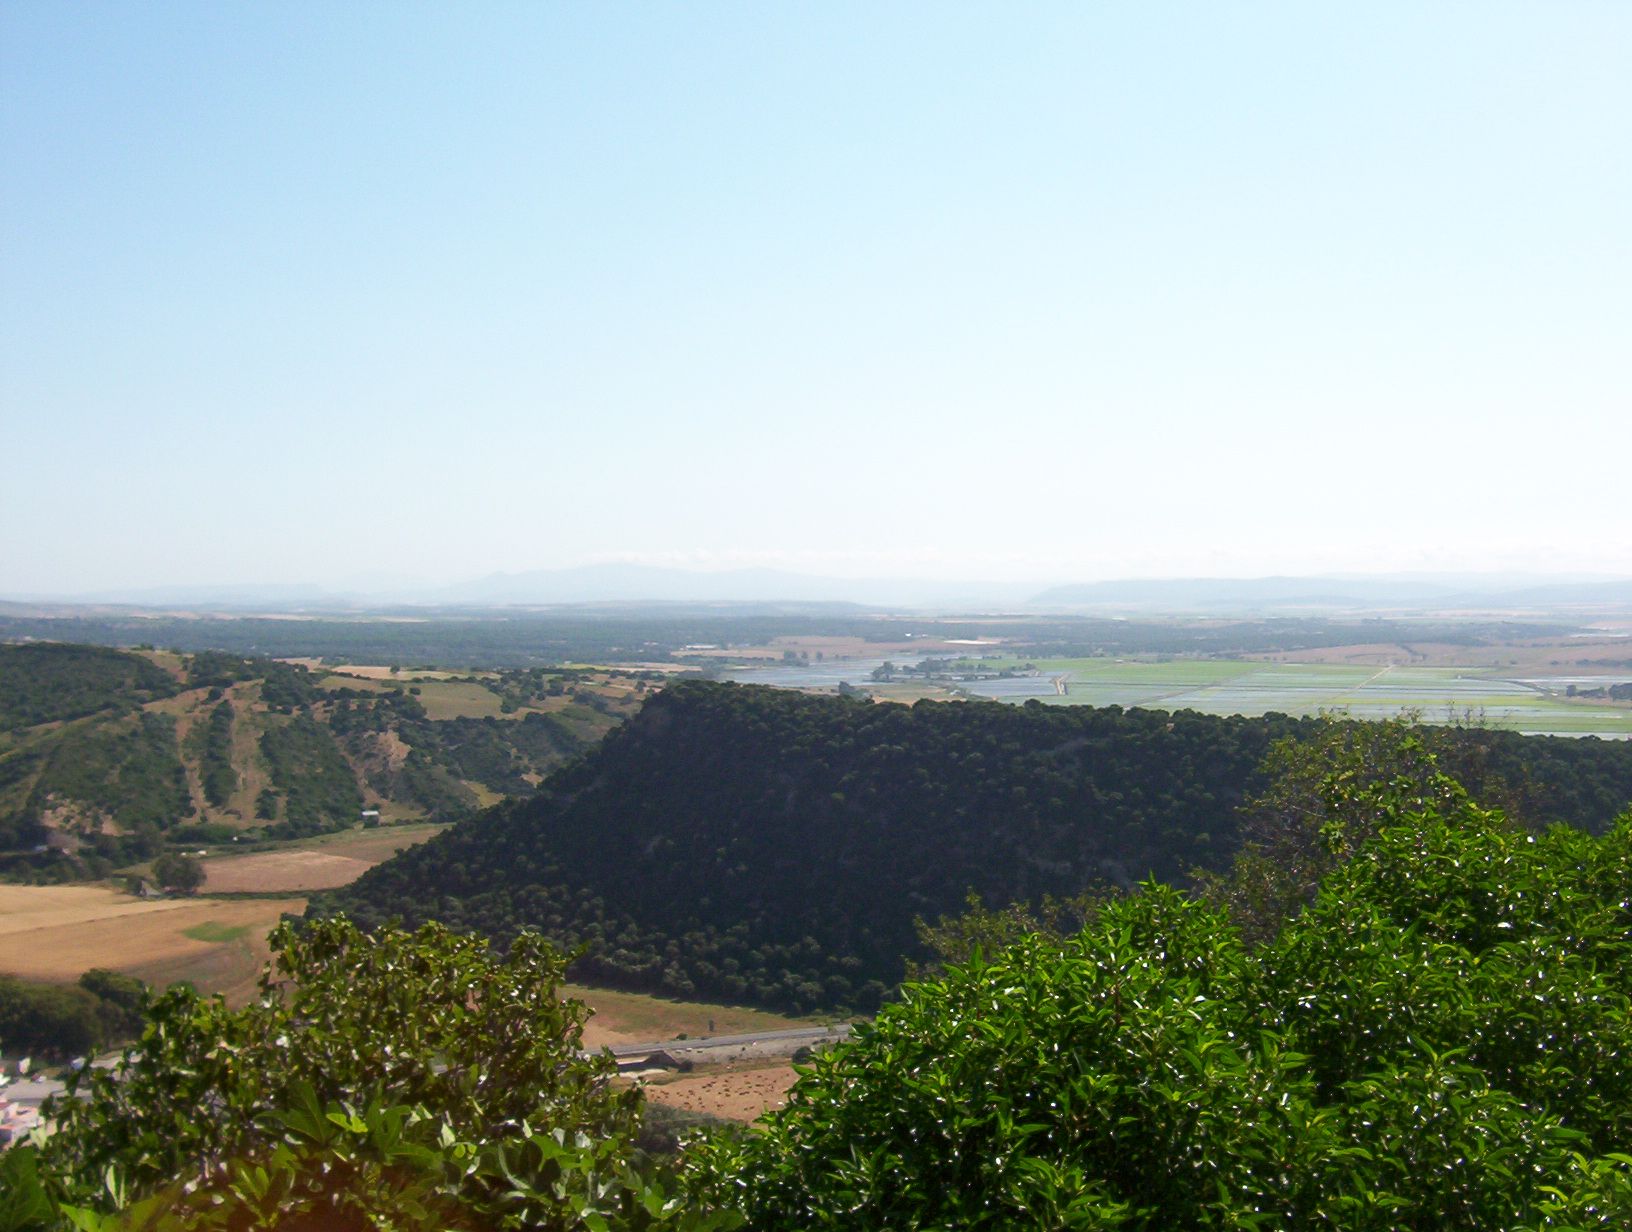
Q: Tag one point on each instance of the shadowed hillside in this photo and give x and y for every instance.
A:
(767, 846)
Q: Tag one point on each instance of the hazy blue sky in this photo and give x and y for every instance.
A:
(309, 291)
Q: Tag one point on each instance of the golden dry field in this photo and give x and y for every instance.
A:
(735, 1094)
(273, 872)
(633, 1018)
(318, 864)
(55, 933)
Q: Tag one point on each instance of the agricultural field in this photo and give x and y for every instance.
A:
(458, 699)
(735, 1094)
(1440, 693)
(320, 863)
(1532, 700)
(634, 1018)
(55, 933)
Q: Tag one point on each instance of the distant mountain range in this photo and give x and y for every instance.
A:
(629, 583)
(644, 583)
(1476, 592)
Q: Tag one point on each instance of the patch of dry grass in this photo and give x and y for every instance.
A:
(320, 863)
(735, 1094)
(55, 933)
(632, 1018)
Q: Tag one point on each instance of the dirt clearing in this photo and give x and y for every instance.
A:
(737, 1095)
(320, 863)
(276, 872)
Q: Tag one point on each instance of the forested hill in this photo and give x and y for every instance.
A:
(763, 845)
(106, 756)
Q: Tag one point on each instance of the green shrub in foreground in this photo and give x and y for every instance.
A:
(386, 1079)
(1440, 1042)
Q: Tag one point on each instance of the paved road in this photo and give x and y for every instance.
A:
(758, 1043)
(30, 1092)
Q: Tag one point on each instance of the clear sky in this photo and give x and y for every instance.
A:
(332, 292)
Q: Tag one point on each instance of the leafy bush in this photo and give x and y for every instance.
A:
(416, 1077)
(1438, 1042)
(51, 1020)
(174, 871)
(48, 1019)
(123, 1000)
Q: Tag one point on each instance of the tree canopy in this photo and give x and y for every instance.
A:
(759, 845)
(1439, 1041)
(416, 1078)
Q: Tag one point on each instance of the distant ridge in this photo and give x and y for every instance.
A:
(612, 583)
(1383, 593)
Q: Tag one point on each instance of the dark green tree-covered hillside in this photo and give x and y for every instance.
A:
(767, 846)
(47, 682)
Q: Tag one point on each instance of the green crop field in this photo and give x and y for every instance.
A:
(1438, 693)
(1534, 704)
(458, 699)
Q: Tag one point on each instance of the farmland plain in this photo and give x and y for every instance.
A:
(1526, 701)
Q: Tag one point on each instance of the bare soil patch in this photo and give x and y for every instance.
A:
(274, 872)
(320, 864)
(738, 1095)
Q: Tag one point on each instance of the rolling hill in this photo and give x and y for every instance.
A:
(765, 846)
(107, 755)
